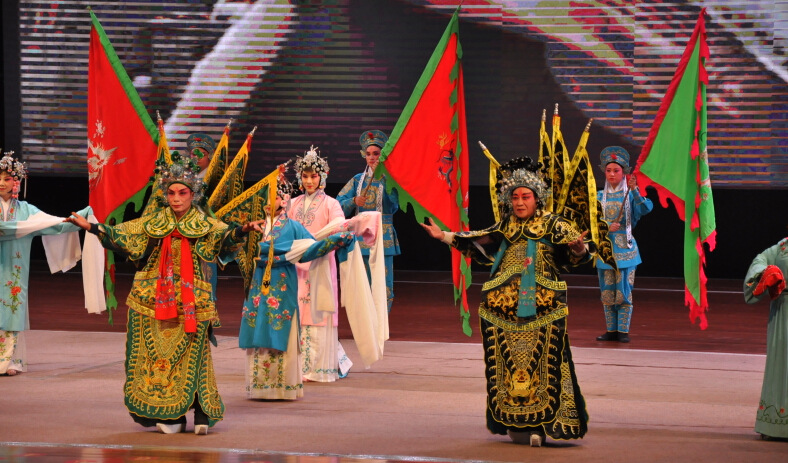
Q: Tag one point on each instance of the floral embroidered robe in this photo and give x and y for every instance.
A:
(378, 199)
(531, 380)
(321, 351)
(165, 366)
(14, 276)
(269, 322)
(772, 416)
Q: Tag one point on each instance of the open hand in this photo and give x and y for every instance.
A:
(433, 230)
(578, 246)
(249, 226)
(78, 220)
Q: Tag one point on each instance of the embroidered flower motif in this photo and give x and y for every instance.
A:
(256, 301)
(15, 290)
(284, 287)
(272, 302)
(528, 261)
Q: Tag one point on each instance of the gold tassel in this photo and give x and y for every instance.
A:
(266, 284)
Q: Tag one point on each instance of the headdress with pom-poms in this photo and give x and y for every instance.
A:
(519, 172)
(372, 137)
(183, 170)
(615, 154)
(284, 188)
(314, 163)
(16, 169)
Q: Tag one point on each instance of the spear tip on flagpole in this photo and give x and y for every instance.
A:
(229, 123)
(588, 126)
(544, 115)
(556, 109)
(251, 134)
(158, 116)
(89, 8)
(484, 148)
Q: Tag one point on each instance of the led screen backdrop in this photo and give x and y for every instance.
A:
(321, 72)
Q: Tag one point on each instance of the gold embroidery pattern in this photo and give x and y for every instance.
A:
(621, 240)
(608, 297)
(493, 319)
(625, 256)
(142, 298)
(529, 379)
(631, 277)
(166, 367)
(551, 284)
(610, 277)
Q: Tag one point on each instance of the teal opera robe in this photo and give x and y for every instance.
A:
(15, 260)
(772, 416)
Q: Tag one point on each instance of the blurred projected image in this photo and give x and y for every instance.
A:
(323, 72)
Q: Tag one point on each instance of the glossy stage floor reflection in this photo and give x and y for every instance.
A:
(54, 453)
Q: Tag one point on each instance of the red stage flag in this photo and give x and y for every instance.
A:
(426, 157)
(122, 138)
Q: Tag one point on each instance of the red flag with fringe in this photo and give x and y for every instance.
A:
(426, 157)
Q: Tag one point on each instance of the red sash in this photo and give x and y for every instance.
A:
(166, 302)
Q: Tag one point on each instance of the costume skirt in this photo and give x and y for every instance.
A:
(531, 380)
(322, 357)
(166, 367)
(273, 374)
(772, 417)
(13, 354)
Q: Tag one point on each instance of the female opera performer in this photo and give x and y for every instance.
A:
(20, 222)
(322, 356)
(532, 389)
(269, 323)
(623, 206)
(169, 369)
(766, 275)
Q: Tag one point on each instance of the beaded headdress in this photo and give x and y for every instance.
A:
(16, 169)
(314, 163)
(615, 154)
(183, 170)
(372, 137)
(520, 172)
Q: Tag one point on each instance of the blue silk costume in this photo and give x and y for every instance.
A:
(616, 287)
(267, 319)
(381, 201)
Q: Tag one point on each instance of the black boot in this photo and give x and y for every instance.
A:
(608, 336)
(623, 337)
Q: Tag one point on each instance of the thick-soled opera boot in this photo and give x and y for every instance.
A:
(623, 337)
(608, 336)
(170, 428)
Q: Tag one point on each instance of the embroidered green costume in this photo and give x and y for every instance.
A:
(531, 382)
(165, 365)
